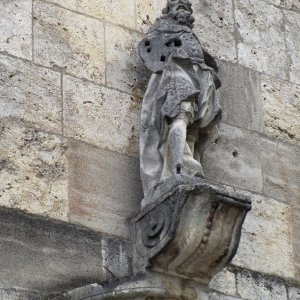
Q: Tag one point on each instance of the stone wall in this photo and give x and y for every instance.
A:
(71, 87)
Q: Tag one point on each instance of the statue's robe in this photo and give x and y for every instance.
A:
(185, 85)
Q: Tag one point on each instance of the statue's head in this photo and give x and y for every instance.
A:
(181, 11)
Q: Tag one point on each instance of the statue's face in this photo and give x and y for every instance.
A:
(178, 5)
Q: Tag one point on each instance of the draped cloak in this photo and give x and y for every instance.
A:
(185, 85)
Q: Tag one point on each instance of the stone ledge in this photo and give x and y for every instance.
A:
(50, 256)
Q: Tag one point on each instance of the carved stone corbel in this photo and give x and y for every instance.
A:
(190, 230)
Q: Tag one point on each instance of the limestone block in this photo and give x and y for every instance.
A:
(217, 296)
(30, 93)
(262, 41)
(292, 4)
(116, 11)
(124, 69)
(281, 105)
(294, 293)
(33, 170)
(292, 24)
(70, 4)
(16, 27)
(234, 159)
(19, 294)
(296, 235)
(266, 242)
(51, 256)
(281, 173)
(147, 12)
(214, 26)
(240, 96)
(70, 41)
(101, 116)
(259, 288)
(104, 188)
(224, 282)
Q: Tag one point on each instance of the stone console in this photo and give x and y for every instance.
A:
(188, 231)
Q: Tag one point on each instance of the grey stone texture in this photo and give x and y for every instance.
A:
(215, 27)
(69, 41)
(124, 69)
(292, 24)
(30, 93)
(294, 293)
(16, 27)
(101, 116)
(240, 96)
(49, 256)
(33, 170)
(235, 159)
(267, 244)
(19, 294)
(281, 173)
(116, 11)
(281, 106)
(104, 188)
(256, 287)
(261, 44)
(292, 4)
(147, 12)
(224, 282)
(219, 296)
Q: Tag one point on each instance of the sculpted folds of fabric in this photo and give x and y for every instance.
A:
(180, 110)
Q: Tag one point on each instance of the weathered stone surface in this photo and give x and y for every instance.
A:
(215, 27)
(224, 282)
(189, 227)
(240, 96)
(70, 41)
(292, 4)
(147, 12)
(116, 11)
(104, 188)
(296, 231)
(33, 170)
(256, 287)
(294, 293)
(281, 173)
(70, 4)
(101, 116)
(292, 24)
(281, 105)
(19, 294)
(266, 242)
(16, 27)
(262, 42)
(234, 159)
(30, 93)
(124, 69)
(217, 296)
(49, 256)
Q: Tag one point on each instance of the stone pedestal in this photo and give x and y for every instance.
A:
(187, 231)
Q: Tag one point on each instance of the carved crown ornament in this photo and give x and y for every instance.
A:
(188, 228)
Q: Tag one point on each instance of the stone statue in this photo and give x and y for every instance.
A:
(188, 228)
(180, 110)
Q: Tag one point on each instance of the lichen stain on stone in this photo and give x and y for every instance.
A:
(132, 143)
(136, 101)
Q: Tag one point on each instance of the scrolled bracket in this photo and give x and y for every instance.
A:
(191, 229)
